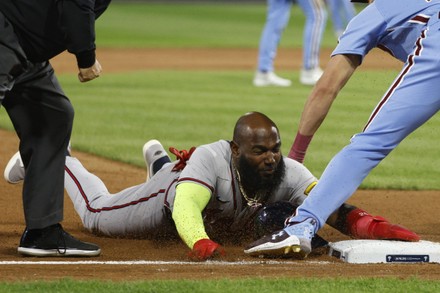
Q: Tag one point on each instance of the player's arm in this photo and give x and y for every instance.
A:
(338, 71)
(78, 24)
(190, 200)
(359, 224)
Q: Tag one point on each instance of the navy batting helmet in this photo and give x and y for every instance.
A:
(271, 218)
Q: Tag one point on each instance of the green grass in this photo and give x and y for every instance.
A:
(215, 25)
(117, 114)
(240, 285)
(205, 105)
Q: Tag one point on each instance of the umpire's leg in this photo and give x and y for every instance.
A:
(42, 116)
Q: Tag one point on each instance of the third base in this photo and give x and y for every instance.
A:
(385, 251)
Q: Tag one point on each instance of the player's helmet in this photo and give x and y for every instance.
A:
(271, 218)
(361, 1)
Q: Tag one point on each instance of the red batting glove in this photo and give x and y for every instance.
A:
(362, 225)
(204, 249)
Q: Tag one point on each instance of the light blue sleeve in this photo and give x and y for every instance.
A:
(363, 33)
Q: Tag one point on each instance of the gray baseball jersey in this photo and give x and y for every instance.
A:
(144, 210)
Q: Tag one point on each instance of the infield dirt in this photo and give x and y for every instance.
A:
(415, 210)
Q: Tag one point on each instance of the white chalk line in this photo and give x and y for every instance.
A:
(147, 262)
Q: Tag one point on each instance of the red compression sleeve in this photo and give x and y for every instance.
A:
(362, 225)
(299, 147)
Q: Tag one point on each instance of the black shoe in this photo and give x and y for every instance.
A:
(54, 241)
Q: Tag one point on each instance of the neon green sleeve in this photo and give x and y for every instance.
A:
(189, 203)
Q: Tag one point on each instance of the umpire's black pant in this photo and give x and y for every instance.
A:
(42, 116)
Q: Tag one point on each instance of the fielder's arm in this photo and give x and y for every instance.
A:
(337, 72)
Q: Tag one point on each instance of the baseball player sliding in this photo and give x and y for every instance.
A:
(211, 193)
(410, 31)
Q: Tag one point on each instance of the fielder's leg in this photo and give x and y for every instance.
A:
(412, 99)
(316, 19)
(278, 14)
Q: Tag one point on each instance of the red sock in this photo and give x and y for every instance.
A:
(362, 225)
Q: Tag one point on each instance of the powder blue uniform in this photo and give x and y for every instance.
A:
(278, 14)
(409, 30)
(342, 11)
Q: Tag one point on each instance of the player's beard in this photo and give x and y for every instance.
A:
(253, 182)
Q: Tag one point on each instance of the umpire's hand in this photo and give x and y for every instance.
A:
(87, 74)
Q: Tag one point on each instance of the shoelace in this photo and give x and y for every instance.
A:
(182, 156)
(61, 240)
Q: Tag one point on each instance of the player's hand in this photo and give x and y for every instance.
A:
(87, 74)
(204, 249)
(364, 226)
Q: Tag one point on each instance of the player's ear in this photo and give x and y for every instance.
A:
(234, 148)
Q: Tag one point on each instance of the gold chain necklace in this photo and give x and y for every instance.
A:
(252, 202)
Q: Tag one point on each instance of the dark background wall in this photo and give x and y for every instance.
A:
(193, 1)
